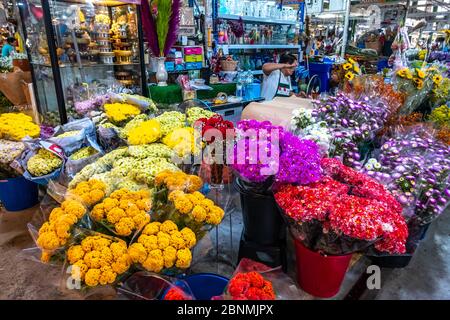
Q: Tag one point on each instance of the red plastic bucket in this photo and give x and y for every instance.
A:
(319, 275)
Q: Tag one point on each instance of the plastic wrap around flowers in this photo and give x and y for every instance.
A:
(415, 167)
(344, 212)
(263, 150)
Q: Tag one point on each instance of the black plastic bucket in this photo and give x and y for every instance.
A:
(263, 223)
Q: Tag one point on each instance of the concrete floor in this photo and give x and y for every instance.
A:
(427, 276)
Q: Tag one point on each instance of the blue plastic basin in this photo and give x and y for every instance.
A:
(18, 194)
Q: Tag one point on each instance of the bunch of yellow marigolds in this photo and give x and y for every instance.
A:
(16, 126)
(201, 209)
(88, 192)
(178, 181)
(98, 260)
(119, 112)
(56, 231)
(161, 246)
(145, 133)
(126, 210)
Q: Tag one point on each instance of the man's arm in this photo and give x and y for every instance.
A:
(269, 67)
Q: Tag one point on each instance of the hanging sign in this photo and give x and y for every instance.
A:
(314, 6)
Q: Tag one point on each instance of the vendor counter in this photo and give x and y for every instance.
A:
(172, 93)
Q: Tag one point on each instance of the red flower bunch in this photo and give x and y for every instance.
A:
(250, 286)
(176, 294)
(215, 122)
(350, 204)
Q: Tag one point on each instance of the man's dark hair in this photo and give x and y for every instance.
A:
(10, 40)
(287, 58)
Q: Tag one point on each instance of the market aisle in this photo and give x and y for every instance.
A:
(427, 276)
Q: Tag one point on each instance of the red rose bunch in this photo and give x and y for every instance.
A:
(250, 286)
(348, 204)
(215, 122)
(176, 294)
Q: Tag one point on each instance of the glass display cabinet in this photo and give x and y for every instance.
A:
(80, 48)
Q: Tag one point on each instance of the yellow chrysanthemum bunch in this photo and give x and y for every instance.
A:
(88, 192)
(178, 181)
(145, 133)
(98, 260)
(201, 209)
(118, 112)
(126, 210)
(182, 141)
(43, 162)
(56, 231)
(161, 246)
(16, 126)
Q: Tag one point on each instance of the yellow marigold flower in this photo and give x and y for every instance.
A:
(168, 226)
(183, 204)
(97, 184)
(62, 230)
(125, 226)
(149, 242)
(421, 74)
(199, 214)
(137, 252)
(163, 240)
(215, 216)
(122, 264)
(92, 259)
(79, 270)
(347, 66)
(75, 253)
(45, 256)
(141, 219)
(349, 76)
(96, 195)
(110, 203)
(175, 195)
(73, 207)
(108, 276)
(118, 249)
(92, 277)
(189, 237)
(117, 194)
(154, 261)
(152, 228)
(87, 244)
(115, 215)
(100, 243)
(46, 227)
(207, 204)
(66, 218)
(170, 256)
(184, 258)
(160, 177)
(195, 183)
(198, 195)
(98, 213)
(144, 204)
(48, 240)
(55, 214)
(106, 255)
(177, 240)
(133, 210)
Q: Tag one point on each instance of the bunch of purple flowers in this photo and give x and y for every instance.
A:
(84, 107)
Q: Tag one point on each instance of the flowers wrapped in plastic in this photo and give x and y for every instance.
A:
(97, 259)
(9, 151)
(88, 192)
(264, 153)
(344, 212)
(255, 281)
(163, 248)
(123, 212)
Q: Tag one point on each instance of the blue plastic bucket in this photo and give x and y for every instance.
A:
(204, 286)
(18, 194)
(323, 71)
